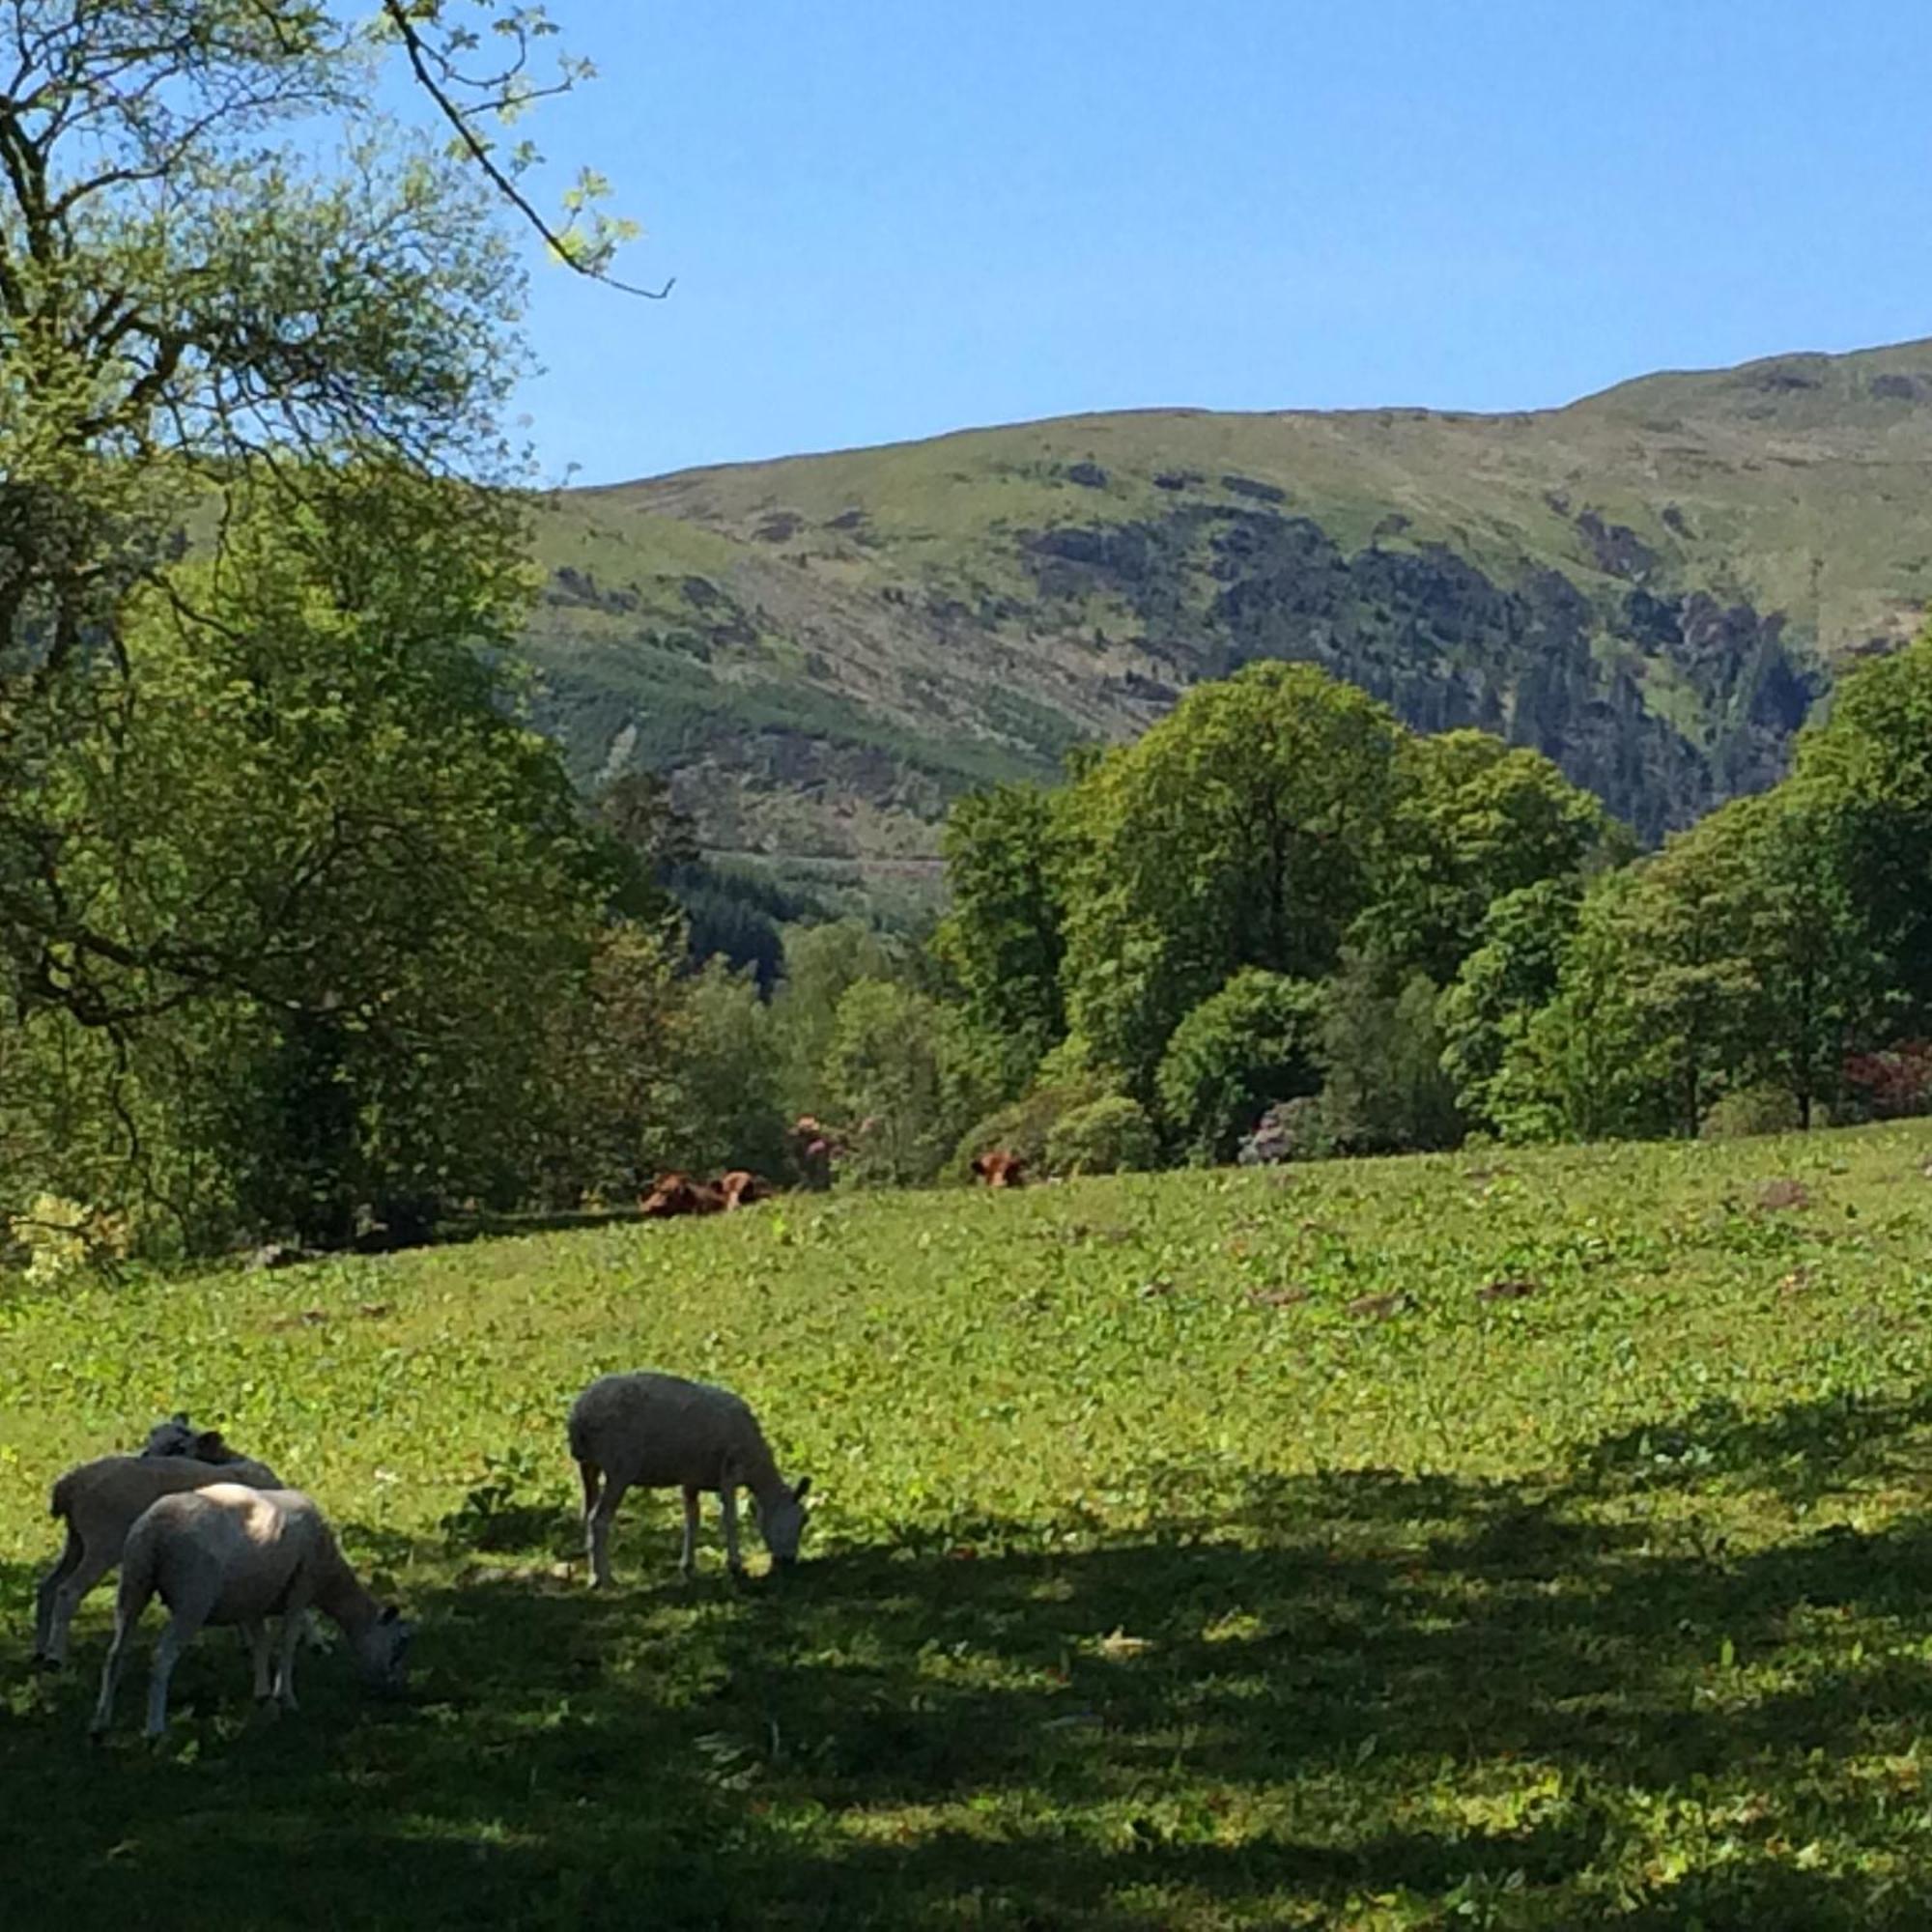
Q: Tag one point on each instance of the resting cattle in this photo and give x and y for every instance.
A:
(997, 1168)
(679, 1194)
(741, 1187)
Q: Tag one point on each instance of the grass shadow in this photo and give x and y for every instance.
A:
(1476, 1702)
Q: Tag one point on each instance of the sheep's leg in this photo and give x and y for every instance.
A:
(127, 1610)
(174, 1639)
(294, 1619)
(90, 1567)
(727, 1508)
(256, 1632)
(50, 1588)
(687, 1562)
(598, 1528)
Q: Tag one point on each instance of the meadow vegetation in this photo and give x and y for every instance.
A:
(1526, 1541)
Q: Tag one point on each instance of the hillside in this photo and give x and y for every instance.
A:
(1396, 1544)
(1650, 584)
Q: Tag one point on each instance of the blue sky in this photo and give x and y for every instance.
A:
(888, 221)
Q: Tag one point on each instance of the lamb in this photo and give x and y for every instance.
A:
(100, 1503)
(231, 1554)
(649, 1431)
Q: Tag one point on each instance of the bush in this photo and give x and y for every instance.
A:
(1893, 1085)
(1242, 1048)
(1296, 1130)
(1108, 1136)
(1024, 1126)
(1750, 1110)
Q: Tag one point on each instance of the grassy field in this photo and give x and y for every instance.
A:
(1525, 1540)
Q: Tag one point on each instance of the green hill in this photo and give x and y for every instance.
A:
(1650, 584)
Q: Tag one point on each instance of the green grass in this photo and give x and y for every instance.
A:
(1201, 1550)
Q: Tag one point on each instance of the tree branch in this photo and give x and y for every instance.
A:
(397, 14)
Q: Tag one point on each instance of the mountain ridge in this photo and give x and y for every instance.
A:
(1650, 583)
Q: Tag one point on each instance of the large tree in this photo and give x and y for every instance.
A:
(1244, 830)
(202, 309)
(262, 805)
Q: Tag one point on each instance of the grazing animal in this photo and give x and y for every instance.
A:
(100, 1503)
(741, 1187)
(179, 1437)
(997, 1168)
(656, 1432)
(814, 1148)
(231, 1554)
(678, 1194)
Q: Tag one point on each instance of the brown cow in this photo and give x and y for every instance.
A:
(741, 1187)
(997, 1168)
(679, 1194)
(814, 1148)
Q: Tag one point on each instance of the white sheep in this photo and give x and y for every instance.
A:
(647, 1431)
(100, 1503)
(231, 1554)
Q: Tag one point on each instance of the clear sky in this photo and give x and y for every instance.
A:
(893, 218)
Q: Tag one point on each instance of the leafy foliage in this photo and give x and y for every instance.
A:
(1004, 940)
(1243, 830)
(900, 1066)
(1109, 1135)
(1385, 1090)
(1252, 1043)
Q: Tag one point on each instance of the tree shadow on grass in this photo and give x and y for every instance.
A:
(1475, 1702)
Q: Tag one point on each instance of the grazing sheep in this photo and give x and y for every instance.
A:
(179, 1437)
(656, 1432)
(231, 1554)
(100, 1503)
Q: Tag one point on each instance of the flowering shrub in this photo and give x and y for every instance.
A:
(1894, 1084)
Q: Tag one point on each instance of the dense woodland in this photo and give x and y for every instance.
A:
(303, 931)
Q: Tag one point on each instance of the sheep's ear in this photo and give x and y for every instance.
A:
(208, 1445)
(392, 1615)
(180, 1415)
(804, 1484)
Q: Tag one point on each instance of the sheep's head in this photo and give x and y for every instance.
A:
(782, 1525)
(173, 1438)
(382, 1651)
(179, 1437)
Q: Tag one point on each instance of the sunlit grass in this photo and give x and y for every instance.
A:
(1195, 1550)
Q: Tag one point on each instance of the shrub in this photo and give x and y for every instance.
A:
(1024, 1126)
(1107, 1136)
(1295, 1130)
(1750, 1110)
(1250, 1044)
(1892, 1085)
